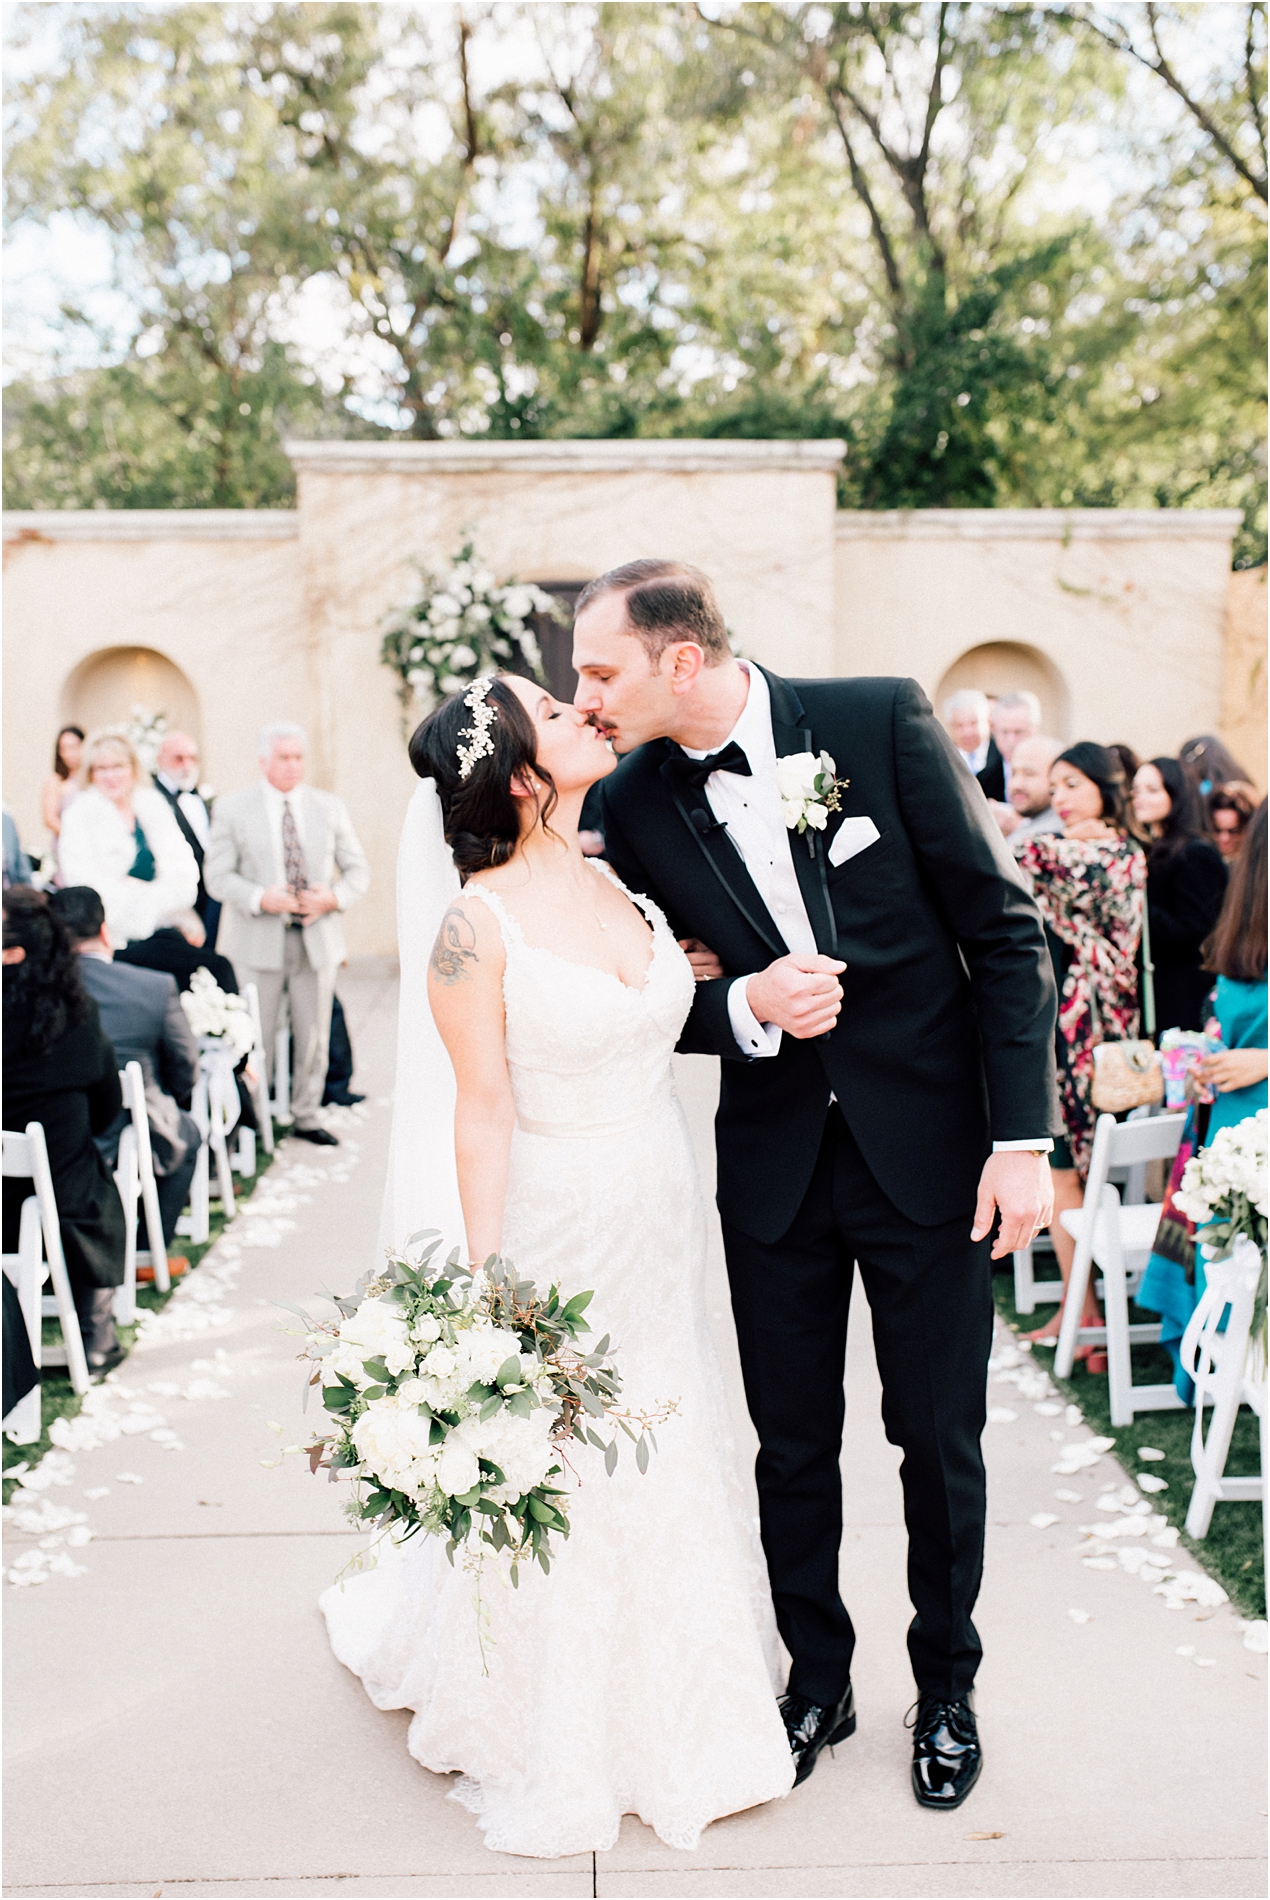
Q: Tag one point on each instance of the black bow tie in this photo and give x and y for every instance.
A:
(696, 771)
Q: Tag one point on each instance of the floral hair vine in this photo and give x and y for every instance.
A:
(474, 740)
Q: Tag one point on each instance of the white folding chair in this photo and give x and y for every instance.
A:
(260, 1069)
(40, 1257)
(1217, 1357)
(1117, 1238)
(215, 1109)
(1027, 1288)
(135, 1180)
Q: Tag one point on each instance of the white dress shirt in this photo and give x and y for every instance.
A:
(192, 809)
(751, 810)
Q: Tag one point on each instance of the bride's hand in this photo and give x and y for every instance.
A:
(705, 965)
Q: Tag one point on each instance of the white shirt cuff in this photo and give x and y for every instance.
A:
(753, 1038)
(256, 896)
(1042, 1147)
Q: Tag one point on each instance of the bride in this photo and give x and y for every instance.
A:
(640, 1675)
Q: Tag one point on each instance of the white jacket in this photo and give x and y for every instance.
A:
(97, 848)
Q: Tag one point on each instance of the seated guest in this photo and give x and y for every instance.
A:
(1236, 955)
(966, 717)
(142, 1015)
(176, 779)
(179, 946)
(1029, 812)
(120, 838)
(60, 1071)
(1229, 809)
(1186, 883)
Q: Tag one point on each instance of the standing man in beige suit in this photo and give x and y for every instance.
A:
(285, 862)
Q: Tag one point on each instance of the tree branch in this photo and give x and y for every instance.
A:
(860, 185)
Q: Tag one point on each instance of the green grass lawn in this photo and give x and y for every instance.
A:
(1233, 1551)
(59, 1400)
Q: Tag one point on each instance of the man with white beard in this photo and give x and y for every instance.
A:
(176, 777)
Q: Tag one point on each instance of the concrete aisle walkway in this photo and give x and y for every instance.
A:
(177, 1725)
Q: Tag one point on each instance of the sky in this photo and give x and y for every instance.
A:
(69, 259)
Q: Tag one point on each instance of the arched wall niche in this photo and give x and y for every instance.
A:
(104, 689)
(1007, 666)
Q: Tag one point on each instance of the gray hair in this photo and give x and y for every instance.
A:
(969, 699)
(280, 729)
(1022, 702)
(186, 921)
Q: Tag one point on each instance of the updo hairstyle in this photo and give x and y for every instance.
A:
(480, 814)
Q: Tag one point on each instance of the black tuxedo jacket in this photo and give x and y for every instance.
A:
(945, 1042)
(192, 840)
(992, 777)
(167, 950)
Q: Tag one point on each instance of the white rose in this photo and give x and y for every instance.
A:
(457, 1469)
(519, 602)
(816, 815)
(440, 1362)
(426, 1329)
(414, 1391)
(796, 776)
(487, 1352)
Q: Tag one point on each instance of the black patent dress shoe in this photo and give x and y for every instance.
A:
(811, 1727)
(946, 1753)
(320, 1137)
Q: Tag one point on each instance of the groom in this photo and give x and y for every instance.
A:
(886, 1020)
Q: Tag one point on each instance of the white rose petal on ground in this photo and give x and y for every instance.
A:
(1186, 1649)
(1147, 1483)
(1074, 1416)
(1048, 1410)
(1070, 1497)
(1043, 1520)
(64, 1565)
(1150, 1453)
(98, 1491)
(1081, 1616)
(128, 1477)
(1206, 1662)
(1257, 1636)
(1001, 1415)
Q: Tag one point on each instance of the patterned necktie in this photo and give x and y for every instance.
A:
(293, 857)
(696, 771)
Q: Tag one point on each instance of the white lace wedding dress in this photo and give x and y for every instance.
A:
(640, 1676)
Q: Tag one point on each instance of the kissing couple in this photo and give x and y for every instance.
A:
(861, 952)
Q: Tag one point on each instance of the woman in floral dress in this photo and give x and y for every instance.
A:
(1089, 883)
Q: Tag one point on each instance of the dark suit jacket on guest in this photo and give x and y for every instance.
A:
(72, 1090)
(169, 951)
(1185, 892)
(142, 1015)
(945, 1042)
(992, 777)
(191, 838)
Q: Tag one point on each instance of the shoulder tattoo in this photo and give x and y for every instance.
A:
(455, 948)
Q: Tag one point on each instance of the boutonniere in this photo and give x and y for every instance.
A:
(809, 791)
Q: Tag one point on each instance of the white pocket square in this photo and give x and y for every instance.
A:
(852, 835)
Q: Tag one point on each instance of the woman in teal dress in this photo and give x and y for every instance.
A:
(1237, 953)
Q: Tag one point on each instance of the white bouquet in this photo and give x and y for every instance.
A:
(464, 624)
(210, 1012)
(455, 1397)
(809, 790)
(1225, 1192)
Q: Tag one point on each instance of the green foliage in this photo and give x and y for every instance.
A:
(736, 219)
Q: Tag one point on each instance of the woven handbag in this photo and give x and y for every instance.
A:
(1127, 1074)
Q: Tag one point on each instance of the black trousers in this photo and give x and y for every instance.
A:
(930, 1294)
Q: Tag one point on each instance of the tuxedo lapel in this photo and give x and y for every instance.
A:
(792, 734)
(723, 858)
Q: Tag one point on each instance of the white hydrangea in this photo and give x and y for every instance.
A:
(211, 1012)
(520, 1447)
(486, 1349)
(1234, 1163)
(391, 1439)
(379, 1331)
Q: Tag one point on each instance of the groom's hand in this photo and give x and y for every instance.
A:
(799, 994)
(1019, 1184)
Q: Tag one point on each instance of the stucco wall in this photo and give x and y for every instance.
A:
(1118, 619)
(1124, 610)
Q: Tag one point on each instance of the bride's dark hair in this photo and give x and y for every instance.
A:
(480, 814)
